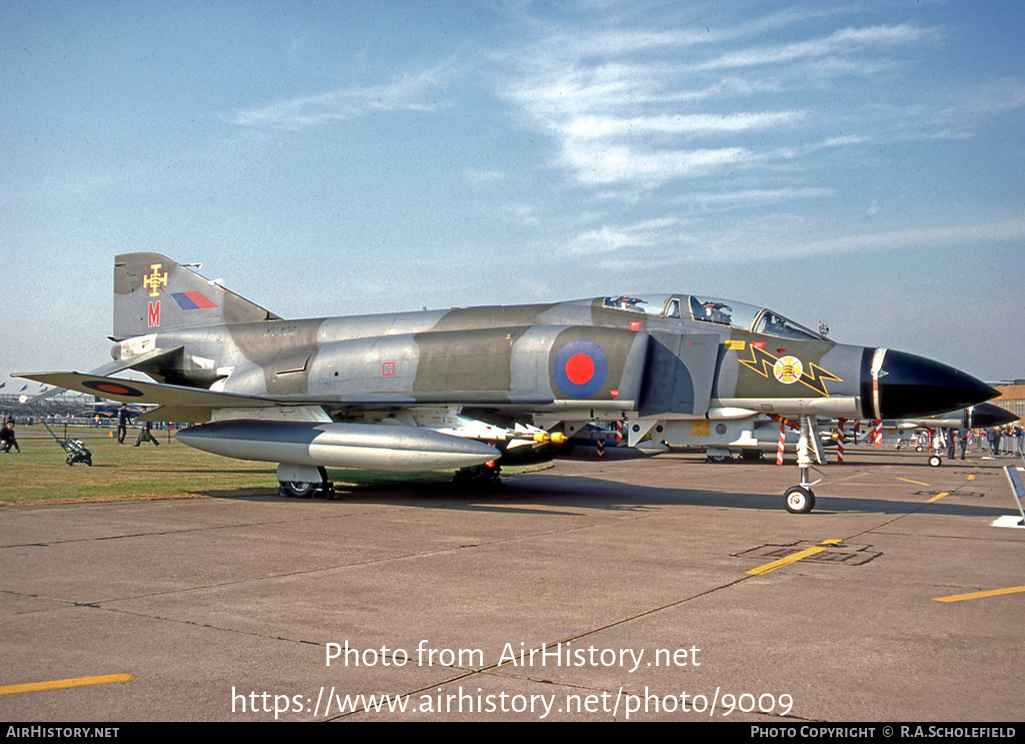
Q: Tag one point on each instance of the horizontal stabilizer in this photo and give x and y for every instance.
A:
(136, 392)
(118, 365)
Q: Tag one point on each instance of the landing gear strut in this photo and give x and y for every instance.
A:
(801, 499)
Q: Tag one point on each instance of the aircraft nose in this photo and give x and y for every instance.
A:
(987, 415)
(904, 385)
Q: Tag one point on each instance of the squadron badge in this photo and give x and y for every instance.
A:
(155, 281)
(788, 369)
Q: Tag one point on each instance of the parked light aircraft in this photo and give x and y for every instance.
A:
(478, 386)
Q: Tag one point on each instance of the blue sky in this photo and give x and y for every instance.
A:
(860, 164)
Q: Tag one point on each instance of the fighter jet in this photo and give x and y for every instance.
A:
(982, 416)
(476, 387)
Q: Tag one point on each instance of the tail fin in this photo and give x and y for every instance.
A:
(153, 293)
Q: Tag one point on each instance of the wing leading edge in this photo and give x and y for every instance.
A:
(194, 405)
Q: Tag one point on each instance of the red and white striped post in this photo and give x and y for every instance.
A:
(782, 437)
(840, 442)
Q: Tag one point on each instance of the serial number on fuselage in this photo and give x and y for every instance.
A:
(281, 331)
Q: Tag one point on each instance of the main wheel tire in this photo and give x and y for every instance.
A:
(718, 458)
(299, 489)
(799, 500)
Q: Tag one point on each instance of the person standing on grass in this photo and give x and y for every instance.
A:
(123, 417)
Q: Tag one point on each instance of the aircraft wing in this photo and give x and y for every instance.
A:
(194, 405)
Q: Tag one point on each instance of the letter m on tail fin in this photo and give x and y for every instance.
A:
(152, 293)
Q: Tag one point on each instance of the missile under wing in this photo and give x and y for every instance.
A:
(479, 386)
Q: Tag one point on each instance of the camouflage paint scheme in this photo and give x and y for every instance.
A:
(519, 378)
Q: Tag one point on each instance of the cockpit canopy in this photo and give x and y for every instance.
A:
(738, 315)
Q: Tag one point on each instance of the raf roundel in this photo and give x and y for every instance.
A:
(111, 387)
(580, 368)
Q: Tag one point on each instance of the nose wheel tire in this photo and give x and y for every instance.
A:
(935, 461)
(799, 500)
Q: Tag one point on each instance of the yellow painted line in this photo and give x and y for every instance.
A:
(971, 477)
(60, 684)
(917, 483)
(980, 595)
(824, 545)
(938, 496)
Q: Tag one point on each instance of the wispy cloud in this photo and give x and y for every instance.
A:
(714, 201)
(413, 92)
(841, 44)
(634, 251)
(620, 103)
(607, 239)
(592, 127)
(944, 236)
(645, 166)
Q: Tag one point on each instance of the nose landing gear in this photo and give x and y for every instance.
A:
(801, 499)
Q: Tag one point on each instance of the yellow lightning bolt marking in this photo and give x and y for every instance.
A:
(759, 357)
(813, 376)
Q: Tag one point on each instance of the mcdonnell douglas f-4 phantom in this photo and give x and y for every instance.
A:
(469, 387)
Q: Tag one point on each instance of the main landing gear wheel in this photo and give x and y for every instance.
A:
(799, 500)
(299, 489)
(481, 475)
(303, 489)
(935, 461)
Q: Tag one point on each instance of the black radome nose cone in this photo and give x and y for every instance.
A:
(987, 415)
(911, 386)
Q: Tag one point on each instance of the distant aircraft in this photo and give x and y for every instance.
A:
(763, 435)
(982, 416)
(477, 387)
